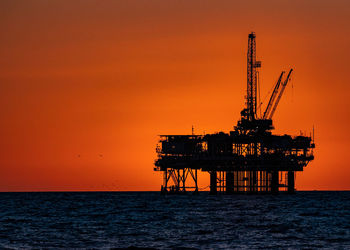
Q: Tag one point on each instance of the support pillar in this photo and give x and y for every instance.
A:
(274, 182)
(260, 181)
(196, 181)
(166, 180)
(230, 182)
(164, 188)
(235, 180)
(240, 182)
(213, 182)
(291, 182)
(255, 184)
(177, 188)
(184, 180)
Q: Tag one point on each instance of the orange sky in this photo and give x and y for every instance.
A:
(101, 79)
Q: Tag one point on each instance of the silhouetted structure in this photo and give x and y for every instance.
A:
(250, 159)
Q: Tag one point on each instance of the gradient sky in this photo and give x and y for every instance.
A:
(86, 86)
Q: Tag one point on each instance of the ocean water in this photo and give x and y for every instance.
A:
(107, 220)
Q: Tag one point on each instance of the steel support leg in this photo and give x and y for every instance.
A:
(291, 182)
(213, 182)
(274, 182)
(230, 182)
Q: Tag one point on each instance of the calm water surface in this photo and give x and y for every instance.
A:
(147, 219)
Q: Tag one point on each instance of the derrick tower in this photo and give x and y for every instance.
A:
(252, 65)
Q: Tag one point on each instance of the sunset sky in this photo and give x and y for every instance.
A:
(86, 86)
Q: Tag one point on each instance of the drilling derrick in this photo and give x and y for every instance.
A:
(248, 159)
(252, 66)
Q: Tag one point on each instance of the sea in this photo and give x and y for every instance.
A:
(119, 220)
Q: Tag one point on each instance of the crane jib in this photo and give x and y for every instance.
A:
(280, 94)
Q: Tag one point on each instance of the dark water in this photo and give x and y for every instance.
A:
(147, 219)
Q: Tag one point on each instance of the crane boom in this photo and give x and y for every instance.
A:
(284, 84)
(273, 96)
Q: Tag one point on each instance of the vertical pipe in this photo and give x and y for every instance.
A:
(183, 179)
(230, 178)
(213, 185)
(291, 182)
(220, 177)
(274, 182)
(222, 184)
(165, 187)
(247, 182)
(239, 181)
(235, 182)
(196, 182)
(178, 181)
(261, 182)
(254, 181)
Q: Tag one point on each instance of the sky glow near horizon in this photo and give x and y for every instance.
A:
(86, 86)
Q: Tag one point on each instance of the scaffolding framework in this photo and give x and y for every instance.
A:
(174, 180)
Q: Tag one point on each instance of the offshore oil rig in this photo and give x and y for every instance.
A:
(249, 159)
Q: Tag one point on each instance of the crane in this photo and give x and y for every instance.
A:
(284, 84)
(273, 96)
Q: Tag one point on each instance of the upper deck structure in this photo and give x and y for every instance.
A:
(248, 159)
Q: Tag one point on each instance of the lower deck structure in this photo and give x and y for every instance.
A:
(236, 163)
(251, 181)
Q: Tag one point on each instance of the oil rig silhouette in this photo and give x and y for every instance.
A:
(249, 159)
